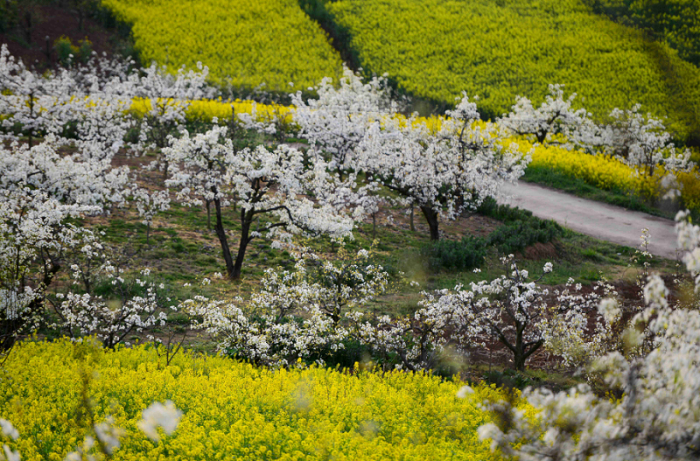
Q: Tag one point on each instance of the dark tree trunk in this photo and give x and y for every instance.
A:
(247, 220)
(413, 227)
(47, 52)
(208, 215)
(522, 350)
(28, 26)
(221, 233)
(432, 217)
(81, 16)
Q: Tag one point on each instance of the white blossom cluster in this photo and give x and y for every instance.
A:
(8, 431)
(113, 320)
(108, 436)
(510, 309)
(337, 121)
(641, 141)
(555, 121)
(657, 417)
(444, 171)
(318, 306)
(85, 106)
(296, 314)
(149, 204)
(39, 190)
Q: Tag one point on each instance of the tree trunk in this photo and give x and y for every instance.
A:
(413, 227)
(432, 217)
(48, 49)
(28, 26)
(522, 351)
(80, 19)
(519, 352)
(221, 233)
(208, 215)
(247, 219)
(519, 360)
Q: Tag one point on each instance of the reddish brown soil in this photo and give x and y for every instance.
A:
(54, 22)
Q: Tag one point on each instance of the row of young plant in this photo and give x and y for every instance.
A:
(356, 149)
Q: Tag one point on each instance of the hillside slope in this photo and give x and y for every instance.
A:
(243, 43)
(498, 49)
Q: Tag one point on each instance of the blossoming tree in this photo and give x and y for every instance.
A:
(274, 184)
(446, 171)
(656, 418)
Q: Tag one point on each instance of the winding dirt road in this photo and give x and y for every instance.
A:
(599, 220)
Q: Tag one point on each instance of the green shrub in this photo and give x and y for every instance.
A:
(517, 235)
(464, 254)
(503, 213)
(67, 53)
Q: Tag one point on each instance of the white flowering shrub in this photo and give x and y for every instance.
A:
(86, 107)
(168, 98)
(297, 314)
(640, 141)
(149, 204)
(517, 312)
(656, 418)
(39, 191)
(135, 307)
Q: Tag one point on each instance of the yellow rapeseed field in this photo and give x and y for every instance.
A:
(244, 43)
(207, 109)
(232, 410)
(497, 50)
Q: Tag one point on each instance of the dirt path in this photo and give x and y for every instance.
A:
(599, 220)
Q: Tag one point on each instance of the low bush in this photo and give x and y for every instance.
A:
(464, 254)
(515, 236)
